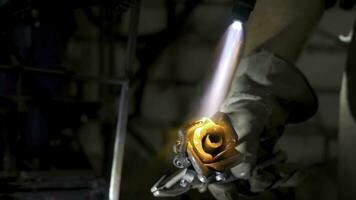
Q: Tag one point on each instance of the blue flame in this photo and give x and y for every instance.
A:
(231, 46)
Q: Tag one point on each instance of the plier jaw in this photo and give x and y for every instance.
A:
(175, 184)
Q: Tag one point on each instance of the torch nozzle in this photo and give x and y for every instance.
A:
(242, 9)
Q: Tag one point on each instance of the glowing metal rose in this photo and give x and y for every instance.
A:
(210, 145)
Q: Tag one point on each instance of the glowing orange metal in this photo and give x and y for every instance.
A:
(211, 145)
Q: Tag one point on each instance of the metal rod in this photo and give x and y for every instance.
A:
(118, 155)
(117, 163)
(61, 73)
(132, 38)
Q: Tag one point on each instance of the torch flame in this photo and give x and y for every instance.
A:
(225, 68)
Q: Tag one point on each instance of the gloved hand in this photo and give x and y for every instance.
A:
(266, 94)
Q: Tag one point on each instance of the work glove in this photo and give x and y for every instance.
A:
(267, 93)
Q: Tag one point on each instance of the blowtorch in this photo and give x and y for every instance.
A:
(205, 150)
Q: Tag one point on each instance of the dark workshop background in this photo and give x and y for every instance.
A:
(60, 68)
